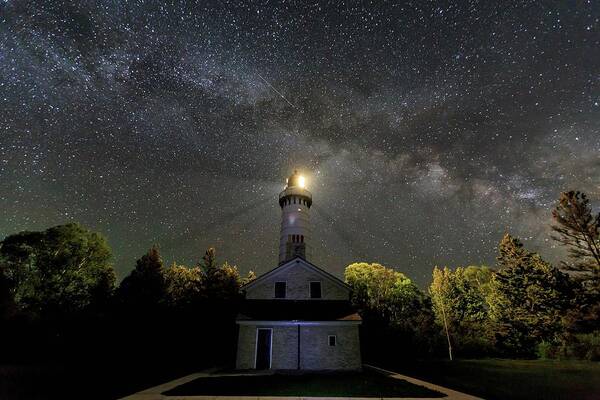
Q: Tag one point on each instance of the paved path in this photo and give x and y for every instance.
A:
(155, 393)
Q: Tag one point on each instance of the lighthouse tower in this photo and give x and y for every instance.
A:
(295, 202)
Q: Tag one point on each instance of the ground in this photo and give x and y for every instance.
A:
(351, 384)
(496, 379)
(490, 379)
(57, 381)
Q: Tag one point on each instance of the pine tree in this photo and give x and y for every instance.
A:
(527, 300)
(145, 287)
(579, 230)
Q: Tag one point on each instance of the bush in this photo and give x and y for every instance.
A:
(584, 346)
(546, 350)
(588, 346)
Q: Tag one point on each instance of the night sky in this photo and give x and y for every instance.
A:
(425, 129)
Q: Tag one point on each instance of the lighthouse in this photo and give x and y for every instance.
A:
(295, 201)
(297, 315)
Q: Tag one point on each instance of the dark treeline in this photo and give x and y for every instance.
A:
(59, 301)
(60, 305)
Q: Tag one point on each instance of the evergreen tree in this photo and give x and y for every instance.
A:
(145, 286)
(527, 299)
(579, 230)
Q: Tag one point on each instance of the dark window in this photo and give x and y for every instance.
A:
(332, 340)
(301, 238)
(315, 290)
(280, 290)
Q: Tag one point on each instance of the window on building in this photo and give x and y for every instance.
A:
(315, 290)
(332, 340)
(280, 288)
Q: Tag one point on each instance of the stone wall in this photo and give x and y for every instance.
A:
(315, 351)
(318, 354)
(298, 278)
(246, 345)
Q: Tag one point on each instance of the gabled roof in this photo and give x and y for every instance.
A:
(293, 262)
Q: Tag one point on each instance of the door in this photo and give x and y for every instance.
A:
(263, 348)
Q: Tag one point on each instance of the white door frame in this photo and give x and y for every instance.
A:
(270, 346)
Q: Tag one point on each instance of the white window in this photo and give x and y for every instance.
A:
(332, 340)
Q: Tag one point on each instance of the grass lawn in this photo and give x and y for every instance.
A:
(512, 379)
(80, 381)
(357, 384)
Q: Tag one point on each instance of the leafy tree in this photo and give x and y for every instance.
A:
(145, 286)
(183, 285)
(393, 310)
(7, 304)
(458, 299)
(479, 277)
(528, 298)
(383, 290)
(57, 271)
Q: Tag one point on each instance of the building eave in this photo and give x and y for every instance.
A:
(295, 323)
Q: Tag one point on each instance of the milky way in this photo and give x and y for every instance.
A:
(426, 129)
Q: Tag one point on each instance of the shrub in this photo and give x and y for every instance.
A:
(584, 346)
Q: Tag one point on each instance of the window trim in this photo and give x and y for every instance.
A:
(275, 290)
(334, 340)
(310, 292)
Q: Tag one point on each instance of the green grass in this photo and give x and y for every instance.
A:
(359, 384)
(512, 379)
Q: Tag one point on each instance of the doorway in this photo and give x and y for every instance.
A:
(264, 342)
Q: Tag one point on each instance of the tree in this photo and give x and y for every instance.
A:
(58, 271)
(458, 299)
(7, 303)
(579, 231)
(382, 290)
(145, 286)
(183, 285)
(527, 300)
(221, 282)
(392, 307)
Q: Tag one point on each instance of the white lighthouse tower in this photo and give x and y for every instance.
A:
(295, 202)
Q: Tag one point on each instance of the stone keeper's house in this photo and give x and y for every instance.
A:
(297, 316)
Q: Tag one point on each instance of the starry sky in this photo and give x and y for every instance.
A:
(426, 129)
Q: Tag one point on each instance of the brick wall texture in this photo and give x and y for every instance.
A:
(315, 351)
(297, 278)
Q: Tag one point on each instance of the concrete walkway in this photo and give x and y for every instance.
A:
(155, 393)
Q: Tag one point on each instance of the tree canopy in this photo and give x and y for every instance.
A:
(381, 290)
(528, 298)
(56, 271)
(459, 303)
(579, 230)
